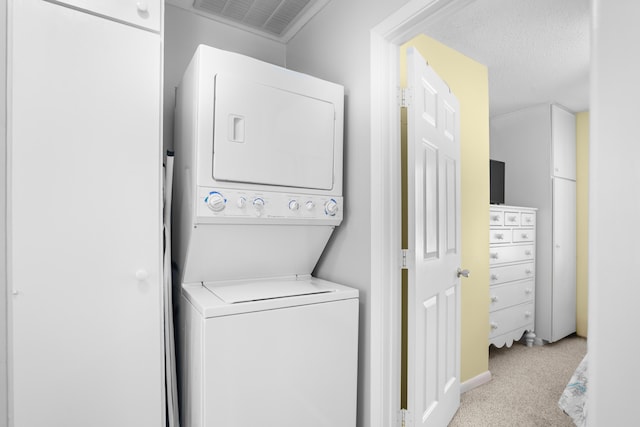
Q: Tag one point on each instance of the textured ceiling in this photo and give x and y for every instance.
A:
(536, 51)
(274, 19)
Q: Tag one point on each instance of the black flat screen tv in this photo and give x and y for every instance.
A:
(496, 182)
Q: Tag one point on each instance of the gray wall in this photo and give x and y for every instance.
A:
(335, 46)
(3, 205)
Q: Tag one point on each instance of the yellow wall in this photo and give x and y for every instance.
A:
(469, 81)
(582, 220)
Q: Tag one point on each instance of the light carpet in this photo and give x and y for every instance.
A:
(525, 386)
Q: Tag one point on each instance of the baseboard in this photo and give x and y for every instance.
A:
(476, 381)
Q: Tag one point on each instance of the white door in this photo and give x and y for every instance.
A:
(563, 320)
(85, 247)
(433, 359)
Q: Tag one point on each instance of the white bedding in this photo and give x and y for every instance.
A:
(574, 397)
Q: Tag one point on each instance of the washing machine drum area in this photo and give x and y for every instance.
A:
(272, 353)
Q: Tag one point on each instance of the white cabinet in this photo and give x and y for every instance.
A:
(537, 145)
(142, 13)
(564, 255)
(512, 238)
(563, 143)
(84, 214)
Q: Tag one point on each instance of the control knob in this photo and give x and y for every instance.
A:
(310, 205)
(215, 201)
(331, 207)
(258, 204)
(294, 205)
(241, 202)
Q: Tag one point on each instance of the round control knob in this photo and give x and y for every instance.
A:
(241, 202)
(215, 201)
(331, 207)
(294, 205)
(309, 205)
(258, 204)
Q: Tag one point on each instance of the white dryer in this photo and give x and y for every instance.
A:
(257, 194)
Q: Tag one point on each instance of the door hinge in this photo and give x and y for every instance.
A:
(404, 97)
(404, 253)
(404, 418)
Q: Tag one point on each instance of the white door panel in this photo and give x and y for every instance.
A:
(564, 260)
(434, 246)
(85, 214)
(142, 13)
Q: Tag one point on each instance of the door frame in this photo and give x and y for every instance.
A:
(386, 216)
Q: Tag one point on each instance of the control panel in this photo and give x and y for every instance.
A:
(233, 203)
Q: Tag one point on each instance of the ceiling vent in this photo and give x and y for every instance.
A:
(275, 19)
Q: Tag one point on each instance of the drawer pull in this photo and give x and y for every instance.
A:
(512, 218)
(143, 6)
(528, 291)
(499, 236)
(525, 236)
(495, 218)
(528, 271)
(527, 252)
(494, 277)
(527, 314)
(527, 219)
(494, 298)
(494, 325)
(493, 255)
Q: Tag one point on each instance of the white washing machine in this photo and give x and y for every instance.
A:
(257, 195)
(259, 356)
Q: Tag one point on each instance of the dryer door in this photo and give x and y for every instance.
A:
(267, 135)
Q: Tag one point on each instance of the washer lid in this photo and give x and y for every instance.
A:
(260, 291)
(280, 292)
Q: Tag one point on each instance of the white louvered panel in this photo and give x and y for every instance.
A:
(271, 16)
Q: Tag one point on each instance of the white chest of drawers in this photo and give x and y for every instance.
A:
(512, 249)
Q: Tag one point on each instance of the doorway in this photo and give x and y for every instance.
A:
(386, 295)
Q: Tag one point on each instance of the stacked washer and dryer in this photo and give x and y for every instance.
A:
(257, 194)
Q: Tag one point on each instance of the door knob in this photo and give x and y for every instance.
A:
(463, 273)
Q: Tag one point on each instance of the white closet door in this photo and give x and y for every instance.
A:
(564, 259)
(563, 142)
(85, 247)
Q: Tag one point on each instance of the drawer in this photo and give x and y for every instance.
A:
(511, 318)
(496, 218)
(511, 273)
(528, 219)
(504, 254)
(500, 236)
(523, 235)
(511, 218)
(502, 296)
(141, 13)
